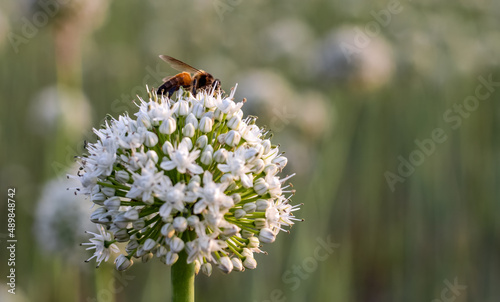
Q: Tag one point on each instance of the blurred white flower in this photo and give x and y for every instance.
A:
(61, 219)
(317, 117)
(61, 107)
(5, 296)
(266, 91)
(274, 100)
(291, 38)
(350, 55)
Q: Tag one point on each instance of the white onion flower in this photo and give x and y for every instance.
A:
(188, 175)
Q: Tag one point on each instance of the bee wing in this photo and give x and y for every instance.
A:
(178, 65)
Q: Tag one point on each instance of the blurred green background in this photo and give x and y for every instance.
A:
(347, 86)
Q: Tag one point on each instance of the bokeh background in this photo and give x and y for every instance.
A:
(347, 87)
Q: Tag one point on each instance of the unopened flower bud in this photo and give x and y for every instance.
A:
(193, 220)
(188, 130)
(250, 263)
(201, 142)
(167, 147)
(187, 141)
(195, 179)
(191, 119)
(220, 155)
(161, 251)
(253, 153)
(236, 198)
(149, 244)
(171, 258)
(176, 245)
(138, 224)
(267, 146)
(237, 264)
(206, 268)
(140, 252)
(246, 253)
(270, 169)
(168, 126)
(132, 245)
(98, 198)
(246, 234)
(152, 155)
(198, 110)
(149, 201)
(280, 161)
(227, 178)
(239, 213)
(151, 139)
(206, 157)
(266, 236)
(250, 207)
(144, 120)
(183, 108)
(262, 204)
(122, 263)
(94, 217)
(112, 203)
(218, 114)
(253, 242)
(167, 230)
(234, 122)
(230, 230)
(258, 166)
(108, 191)
(260, 223)
(122, 235)
(146, 257)
(122, 176)
(206, 124)
(131, 214)
(197, 266)
(260, 186)
(232, 138)
(225, 265)
(180, 224)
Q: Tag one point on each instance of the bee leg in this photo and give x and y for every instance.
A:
(161, 90)
(193, 90)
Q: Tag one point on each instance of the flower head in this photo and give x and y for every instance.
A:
(190, 175)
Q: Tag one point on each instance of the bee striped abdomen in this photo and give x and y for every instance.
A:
(173, 84)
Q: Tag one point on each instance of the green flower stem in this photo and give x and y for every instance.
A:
(182, 275)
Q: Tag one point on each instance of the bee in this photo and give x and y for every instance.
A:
(200, 80)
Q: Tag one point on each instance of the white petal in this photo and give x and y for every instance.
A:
(167, 165)
(207, 177)
(246, 180)
(195, 169)
(224, 168)
(165, 210)
(198, 207)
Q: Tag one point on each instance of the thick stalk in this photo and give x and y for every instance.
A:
(182, 275)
